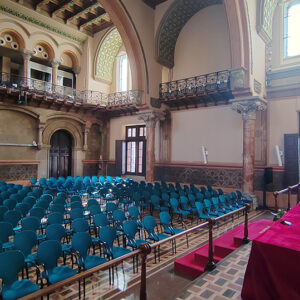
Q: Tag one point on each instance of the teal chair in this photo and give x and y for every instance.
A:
(6, 230)
(25, 241)
(47, 254)
(11, 262)
(201, 213)
(81, 242)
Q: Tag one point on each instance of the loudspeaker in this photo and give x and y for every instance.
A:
(268, 175)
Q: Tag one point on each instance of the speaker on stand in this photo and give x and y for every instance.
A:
(268, 179)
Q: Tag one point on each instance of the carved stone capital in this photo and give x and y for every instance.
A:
(27, 54)
(55, 62)
(151, 117)
(248, 107)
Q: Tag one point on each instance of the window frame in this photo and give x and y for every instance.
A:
(286, 7)
(137, 138)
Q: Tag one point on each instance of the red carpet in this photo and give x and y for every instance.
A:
(194, 263)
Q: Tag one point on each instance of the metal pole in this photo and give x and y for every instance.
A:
(276, 205)
(146, 249)
(210, 264)
(246, 239)
(289, 198)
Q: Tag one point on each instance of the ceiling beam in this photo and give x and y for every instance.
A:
(88, 22)
(62, 6)
(103, 26)
(83, 10)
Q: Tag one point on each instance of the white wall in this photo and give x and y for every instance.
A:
(282, 119)
(203, 45)
(219, 129)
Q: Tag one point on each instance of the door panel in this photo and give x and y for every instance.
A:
(60, 154)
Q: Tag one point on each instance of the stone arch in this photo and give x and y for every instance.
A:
(73, 128)
(72, 57)
(12, 39)
(132, 43)
(16, 27)
(107, 51)
(21, 110)
(43, 50)
(172, 23)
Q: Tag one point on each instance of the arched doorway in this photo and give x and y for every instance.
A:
(60, 154)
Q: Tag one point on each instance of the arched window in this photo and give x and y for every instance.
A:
(292, 29)
(122, 73)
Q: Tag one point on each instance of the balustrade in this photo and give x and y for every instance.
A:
(198, 85)
(40, 87)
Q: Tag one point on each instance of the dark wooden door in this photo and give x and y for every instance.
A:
(291, 159)
(60, 154)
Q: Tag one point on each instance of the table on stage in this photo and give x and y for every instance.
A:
(273, 271)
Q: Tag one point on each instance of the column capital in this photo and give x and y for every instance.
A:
(151, 117)
(55, 62)
(248, 107)
(27, 54)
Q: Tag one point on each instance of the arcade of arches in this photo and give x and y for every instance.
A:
(211, 81)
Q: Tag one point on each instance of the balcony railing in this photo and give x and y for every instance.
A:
(40, 87)
(216, 82)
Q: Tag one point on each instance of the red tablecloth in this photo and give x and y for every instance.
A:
(273, 271)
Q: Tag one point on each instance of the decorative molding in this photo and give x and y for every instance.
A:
(172, 23)
(248, 107)
(156, 103)
(257, 86)
(19, 162)
(151, 117)
(40, 23)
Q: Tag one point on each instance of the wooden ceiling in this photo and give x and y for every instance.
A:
(85, 15)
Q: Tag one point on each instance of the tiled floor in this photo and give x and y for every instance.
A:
(224, 282)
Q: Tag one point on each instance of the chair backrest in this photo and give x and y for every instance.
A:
(55, 218)
(11, 262)
(174, 203)
(75, 198)
(55, 232)
(30, 223)
(199, 207)
(134, 212)
(100, 220)
(111, 206)
(81, 242)
(47, 197)
(95, 209)
(29, 200)
(13, 217)
(76, 204)
(119, 215)
(48, 252)
(24, 241)
(107, 235)
(149, 223)
(23, 208)
(57, 208)
(92, 202)
(80, 225)
(10, 203)
(42, 203)
(130, 229)
(76, 213)
(165, 218)
(207, 203)
(6, 230)
(38, 212)
(3, 210)
(155, 199)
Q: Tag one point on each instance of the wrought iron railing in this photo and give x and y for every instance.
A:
(67, 93)
(288, 190)
(198, 85)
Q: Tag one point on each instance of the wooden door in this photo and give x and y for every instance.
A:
(60, 154)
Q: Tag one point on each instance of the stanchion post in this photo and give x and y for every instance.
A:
(298, 193)
(289, 198)
(276, 204)
(146, 249)
(246, 239)
(210, 264)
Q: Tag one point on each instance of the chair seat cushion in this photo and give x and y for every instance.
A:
(30, 258)
(60, 273)
(8, 245)
(66, 247)
(19, 289)
(92, 261)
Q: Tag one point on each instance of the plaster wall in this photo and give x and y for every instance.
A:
(219, 129)
(282, 119)
(203, 44)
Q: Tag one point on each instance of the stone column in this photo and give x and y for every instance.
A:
(86, 132)
(165, 138)
(40, 135)
(248, 107)
(26, 57)
(54, 63)
(150, 118)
